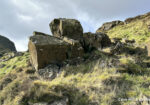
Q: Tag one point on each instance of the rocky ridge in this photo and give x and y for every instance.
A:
(109, 25)
(6, 45)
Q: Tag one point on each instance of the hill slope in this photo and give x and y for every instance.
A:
(137, 28)
(102, 79)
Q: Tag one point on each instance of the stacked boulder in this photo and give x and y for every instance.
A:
(45, 49)
(67, 42)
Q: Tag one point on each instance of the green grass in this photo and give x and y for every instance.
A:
(14, 63)
(83, 84)
(135, 30)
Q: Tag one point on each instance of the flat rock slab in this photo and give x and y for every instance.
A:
(45, 49)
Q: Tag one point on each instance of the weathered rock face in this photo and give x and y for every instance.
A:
(95, 41)
(75, 50)
(39, 33)
(105, 40)
(50, 72)
(67, 42)
(128, 20)
(6, 45)
(91, 41)
(148, 25)
(148, 48)
(70, 28)
(45, 49)
(109, 25)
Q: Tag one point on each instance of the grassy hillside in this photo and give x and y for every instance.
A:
(108, 80)
(119, 79)
(136, 29)
(7, 65)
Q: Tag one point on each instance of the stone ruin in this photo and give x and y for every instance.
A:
(67, 42)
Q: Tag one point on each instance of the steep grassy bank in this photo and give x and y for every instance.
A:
(136, 29)
(110, 80)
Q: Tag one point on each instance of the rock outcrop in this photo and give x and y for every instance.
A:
(45, 49)
(109, 25)
(70, 28)
(95, 41)
(6, 45)
(50, 72)
(129, 20)
(67, 42)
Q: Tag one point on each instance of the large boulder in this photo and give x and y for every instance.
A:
(45, 49)
(95, 41)
(70, 28)
(6, 45)
(109, 25)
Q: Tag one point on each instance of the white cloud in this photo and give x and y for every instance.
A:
(25, 5)
(21, 44)
(25, 18)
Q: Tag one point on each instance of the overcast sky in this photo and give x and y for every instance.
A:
(19, 18)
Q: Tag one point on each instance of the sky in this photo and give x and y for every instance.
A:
(19, 18)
